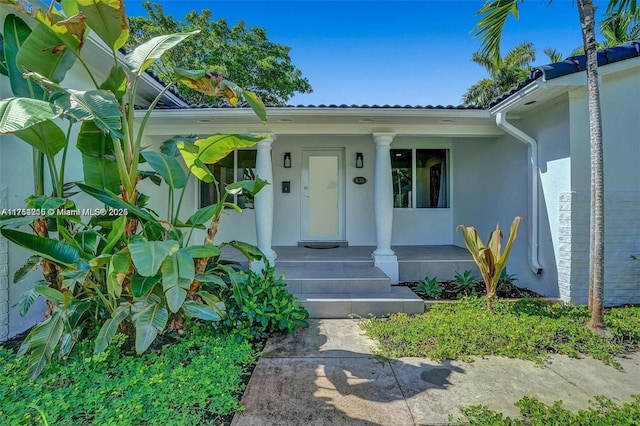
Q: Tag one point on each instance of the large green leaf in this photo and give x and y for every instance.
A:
(117, 231)
(112, 200)
(250, 251)
(99, 106)
(256, 104)
(110, 327)
(29, 266)
(197, 252)
(213, 149)
(147, 256)
(42, 341)
(45, 53)
(214, 302)
(20, 113)
(151, 320)
(48, 248)
(100, 173)
(15, 33)
(116, 82)
(202, 215)
(116, 273)
(94, 142)
(49, 293)
(250, 186)
(201, 311)
(170, 146)
(107, 19)
(168, 167)
(26, 300)
(143, 56)
(178, 273)
(142, 286)
(45, 136)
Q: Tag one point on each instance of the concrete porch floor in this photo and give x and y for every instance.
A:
(414, 262)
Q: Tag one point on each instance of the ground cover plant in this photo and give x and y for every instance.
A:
(534, 412)
(195, 380)
(526, 329)
(432, 289)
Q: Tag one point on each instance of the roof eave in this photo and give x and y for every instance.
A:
(519, 97)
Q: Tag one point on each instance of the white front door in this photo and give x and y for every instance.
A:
(323, 195)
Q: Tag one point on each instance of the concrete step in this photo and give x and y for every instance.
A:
(327, 305)
(323, 262)
(335, 278)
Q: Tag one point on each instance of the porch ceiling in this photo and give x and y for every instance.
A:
(330, 120)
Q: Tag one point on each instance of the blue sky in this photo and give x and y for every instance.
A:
(388, 52)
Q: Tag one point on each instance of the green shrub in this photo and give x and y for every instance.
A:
(603, 412)
(430, 286)
(258, 304)
(465, 283)
(192, 382)
(526, 329)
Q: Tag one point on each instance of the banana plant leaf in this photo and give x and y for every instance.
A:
(107, 19)
(110, 327)
(168, 167)
(143, 56)
(45, 136)
(148, 256)
(21, 113)
(178, 272)
(201, 311)
(213, 149)
(57, 251)
(45, 53)
(151, 320)
(15, 33)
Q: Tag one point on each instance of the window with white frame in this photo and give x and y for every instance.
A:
(238, 165)
(420, 178)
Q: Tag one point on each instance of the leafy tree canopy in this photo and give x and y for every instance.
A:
(245, 56)
(504, 74)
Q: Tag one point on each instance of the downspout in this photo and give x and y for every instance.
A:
(501, 121)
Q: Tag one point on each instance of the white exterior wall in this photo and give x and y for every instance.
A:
(620, 94)
(491, 182)
(410, 226)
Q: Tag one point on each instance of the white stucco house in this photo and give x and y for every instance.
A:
(390, 180)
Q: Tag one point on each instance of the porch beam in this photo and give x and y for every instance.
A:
(264, 203)
(383, 257)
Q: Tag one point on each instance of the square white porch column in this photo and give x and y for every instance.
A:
(383, 257)
(264, 204)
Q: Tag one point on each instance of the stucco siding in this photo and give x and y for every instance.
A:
(491, 182)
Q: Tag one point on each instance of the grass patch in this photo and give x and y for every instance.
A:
(602, 412)
(195, 381)
(527, 329)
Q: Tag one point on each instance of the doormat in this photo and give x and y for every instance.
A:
(322, 246)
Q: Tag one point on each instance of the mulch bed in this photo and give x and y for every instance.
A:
(451, 292)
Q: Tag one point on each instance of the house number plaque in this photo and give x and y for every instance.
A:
(359, 180)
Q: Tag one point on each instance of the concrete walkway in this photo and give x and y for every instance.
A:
(327, 375)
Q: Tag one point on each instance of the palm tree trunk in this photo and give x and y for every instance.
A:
(596, 236)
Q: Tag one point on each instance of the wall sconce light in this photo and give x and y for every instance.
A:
(359, 160)
(287, 160)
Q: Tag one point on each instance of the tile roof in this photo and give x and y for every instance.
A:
(573, 65)
(448, 107)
